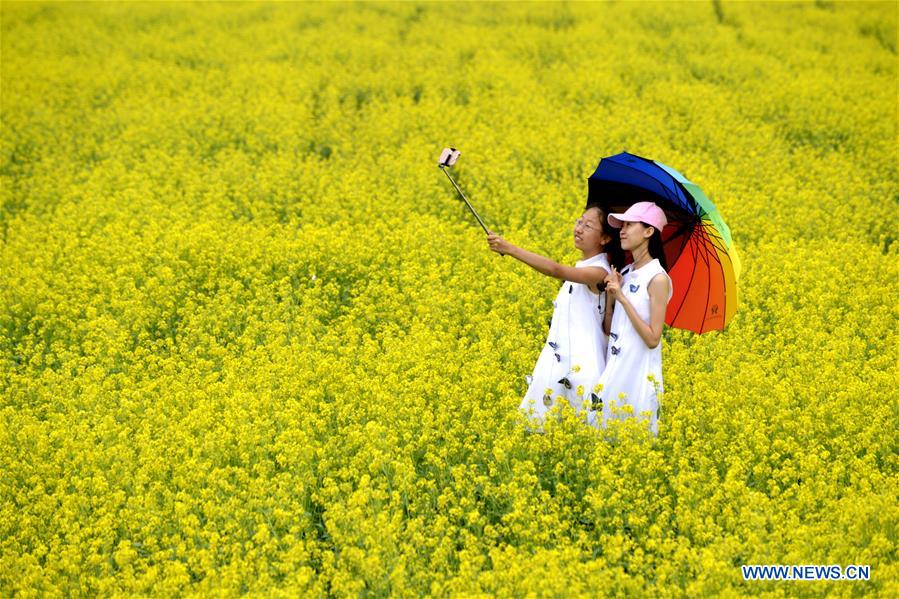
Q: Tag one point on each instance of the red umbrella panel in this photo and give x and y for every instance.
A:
(702, 270)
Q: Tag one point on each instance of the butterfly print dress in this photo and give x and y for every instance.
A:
(574, 354)
(629, 361)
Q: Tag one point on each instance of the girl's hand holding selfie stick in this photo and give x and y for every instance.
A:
(498, 244)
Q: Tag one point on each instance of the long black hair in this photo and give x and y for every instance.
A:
(656, 248)
(613, 248)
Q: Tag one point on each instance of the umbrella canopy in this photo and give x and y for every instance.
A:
(702, 260)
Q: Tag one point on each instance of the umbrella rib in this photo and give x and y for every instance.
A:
(723, 274)
(714, 243)
(684, 301)
(704, 251)
(681, 231)
(688, 195)
(724, 301)
(642, 173)
(713, 240)
(699, 252)
(708, 295)
(717, 259)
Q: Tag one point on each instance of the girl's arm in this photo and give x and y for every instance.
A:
(613, 284)
(589, 275)
(607, 317)
(650, 332)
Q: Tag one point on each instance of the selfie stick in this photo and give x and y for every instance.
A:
(448, 159)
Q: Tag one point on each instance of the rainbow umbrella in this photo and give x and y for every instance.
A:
(702, 260)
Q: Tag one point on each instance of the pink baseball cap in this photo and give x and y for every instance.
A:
(646, 212)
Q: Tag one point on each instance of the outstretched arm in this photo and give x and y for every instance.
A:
(589, 275)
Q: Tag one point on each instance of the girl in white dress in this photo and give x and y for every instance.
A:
(638, 296)
(574, 353)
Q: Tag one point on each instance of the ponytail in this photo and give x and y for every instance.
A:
(656, 248)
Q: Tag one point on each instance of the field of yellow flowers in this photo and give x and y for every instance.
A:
(251, 342)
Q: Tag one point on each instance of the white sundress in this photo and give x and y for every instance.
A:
(629, 361)
(575, 347)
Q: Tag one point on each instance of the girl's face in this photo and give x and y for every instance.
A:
(588, 233)
(633, 234)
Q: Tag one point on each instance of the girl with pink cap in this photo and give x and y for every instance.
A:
(639, 296)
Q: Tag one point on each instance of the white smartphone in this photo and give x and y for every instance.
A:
(448, 157)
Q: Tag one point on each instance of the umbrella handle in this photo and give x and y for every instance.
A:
(467, 203)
